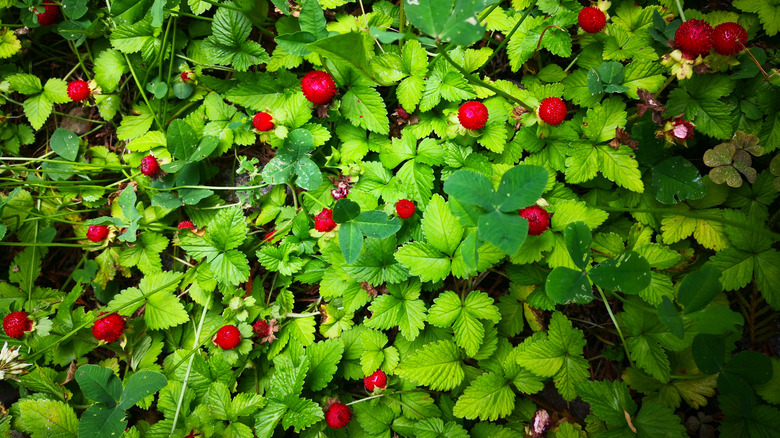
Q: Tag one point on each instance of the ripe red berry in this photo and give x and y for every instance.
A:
(263, 122)
(402, 113)
(228, 337)
(109, 328)
(150, 167)
(729, 38)
(376, 380)
(694, 37)
(473, 115)
(552, 111)
(318, 87)
(338, 415)
(97, 233)
(592, 19)
(48, 15)
(78, 90)
(186, 225)
(538, 219)
(187, 76)
(16, 323)
(324, 222)
(404, 208)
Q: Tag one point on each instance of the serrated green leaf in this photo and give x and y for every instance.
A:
(489, 397)
(437, 365)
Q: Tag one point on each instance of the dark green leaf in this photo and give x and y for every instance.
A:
(375, 224)
(65, 144)
(181, 138)
(709, 352)
(100, 421)
(698, 288)
(578, 239)
(628, 273)
(506, 232)
(295, 43)
(752, 366)
(472, 187)
(676, 179)
(141, 385)
(670, 317)
(345, 210)
(350, 241)
(566, 285)
(99, 384)
(520, 187)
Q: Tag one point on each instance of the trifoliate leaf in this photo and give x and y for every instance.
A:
(146, 253)
(401, 307)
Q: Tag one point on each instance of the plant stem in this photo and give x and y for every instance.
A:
(476, 81)
(143, 94)
(617, 326)
(189, 365)
(680, 9)
(693, 214)
(509, 35)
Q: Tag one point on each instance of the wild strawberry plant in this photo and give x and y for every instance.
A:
(334, 218)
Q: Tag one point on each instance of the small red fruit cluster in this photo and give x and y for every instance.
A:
(592, 19)
(318, 87)
(473, 115)
(538, 219)
(150, 166)
(376, 380)
(109, 328)
(186, 225)
(324, 222)
(552, 111)
(404, 208)
(338, 415)
(696, 37)
(97, 233)
(228, 337)
(49, 15)
(16, 323)
(78, 91)
(262, 121)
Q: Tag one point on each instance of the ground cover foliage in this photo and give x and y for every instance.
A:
(203, 238)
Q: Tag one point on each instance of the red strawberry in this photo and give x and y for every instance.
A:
(79, 90)
(729, 39)
(592, 19)
(538, 219)
(682, 129)
(227, 337)
(262, 122)
(48, 15)
(404, 208)
(338, 415)
(552, 111)
(109, 328)
(16, 323)
(97, 233)
(694, 38)
(376, 380)
(187, 76)
(186, 225)
(473, 115)
(150, 167)
(318, 87)
(323, 222)
(402, 113)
